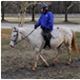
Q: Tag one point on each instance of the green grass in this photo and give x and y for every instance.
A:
(5, 36)
(5, 42)
(78, 37)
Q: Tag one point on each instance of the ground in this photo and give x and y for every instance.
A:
(60, 71)
(17, 62)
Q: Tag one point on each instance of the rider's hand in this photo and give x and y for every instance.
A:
(35, 27)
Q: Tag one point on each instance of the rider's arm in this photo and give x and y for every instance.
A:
(38, 23)
(51, 21)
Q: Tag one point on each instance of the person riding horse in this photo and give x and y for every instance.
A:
(46, 23)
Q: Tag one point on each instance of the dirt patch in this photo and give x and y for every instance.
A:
(60, 71)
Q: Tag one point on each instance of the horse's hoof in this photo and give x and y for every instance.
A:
(33, 68)
(53, 64)
(47, 65)
(68, 63)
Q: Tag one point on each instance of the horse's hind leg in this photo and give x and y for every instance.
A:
(59, 53)
(69, 55)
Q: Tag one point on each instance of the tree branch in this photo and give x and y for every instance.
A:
(71, 5)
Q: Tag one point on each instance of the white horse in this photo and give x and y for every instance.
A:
(36, 40)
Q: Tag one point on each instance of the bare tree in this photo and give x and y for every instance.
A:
(25, 4)
(78, 4)
(3, 8)
(68, 5)
(79, 7)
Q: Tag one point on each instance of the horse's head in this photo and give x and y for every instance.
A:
(15, 36)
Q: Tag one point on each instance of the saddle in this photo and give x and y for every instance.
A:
(53, 34)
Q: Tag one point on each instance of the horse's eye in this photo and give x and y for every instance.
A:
(14, 35)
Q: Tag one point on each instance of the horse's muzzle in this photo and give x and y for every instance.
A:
(11, 46)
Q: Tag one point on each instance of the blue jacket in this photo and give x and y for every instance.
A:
(46, 21)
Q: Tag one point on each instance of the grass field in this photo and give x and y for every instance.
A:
(17, 62)
(56, 19)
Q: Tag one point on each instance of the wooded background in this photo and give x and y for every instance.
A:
(33, 7)
(57, 7)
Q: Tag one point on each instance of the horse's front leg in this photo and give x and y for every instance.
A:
(46, 63)
(36, 58)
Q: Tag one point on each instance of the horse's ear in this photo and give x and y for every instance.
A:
(14, 28)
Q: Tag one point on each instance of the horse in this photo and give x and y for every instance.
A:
(66, 36)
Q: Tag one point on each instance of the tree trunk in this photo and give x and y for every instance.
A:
(22, 19)
(33, 13)
(2, 10)
(66, 12)
(66, 18)
(2, 16)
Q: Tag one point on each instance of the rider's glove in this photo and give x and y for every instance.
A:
(35, 27)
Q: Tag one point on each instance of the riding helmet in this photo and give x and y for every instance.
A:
(44, 6)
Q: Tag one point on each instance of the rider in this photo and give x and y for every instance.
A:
(46, 23)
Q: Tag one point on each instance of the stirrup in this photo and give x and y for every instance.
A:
(47, 48)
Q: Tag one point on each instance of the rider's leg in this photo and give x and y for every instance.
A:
(47, 38)
(43, 34)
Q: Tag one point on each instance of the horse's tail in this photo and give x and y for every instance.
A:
(74, 44)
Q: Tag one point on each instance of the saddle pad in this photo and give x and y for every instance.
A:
(55, 33)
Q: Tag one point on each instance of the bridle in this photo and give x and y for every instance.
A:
(22, 38)
(15, 38)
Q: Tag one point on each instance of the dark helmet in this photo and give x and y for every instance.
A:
(44, 6)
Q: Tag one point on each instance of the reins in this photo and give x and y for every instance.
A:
(26, 36)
